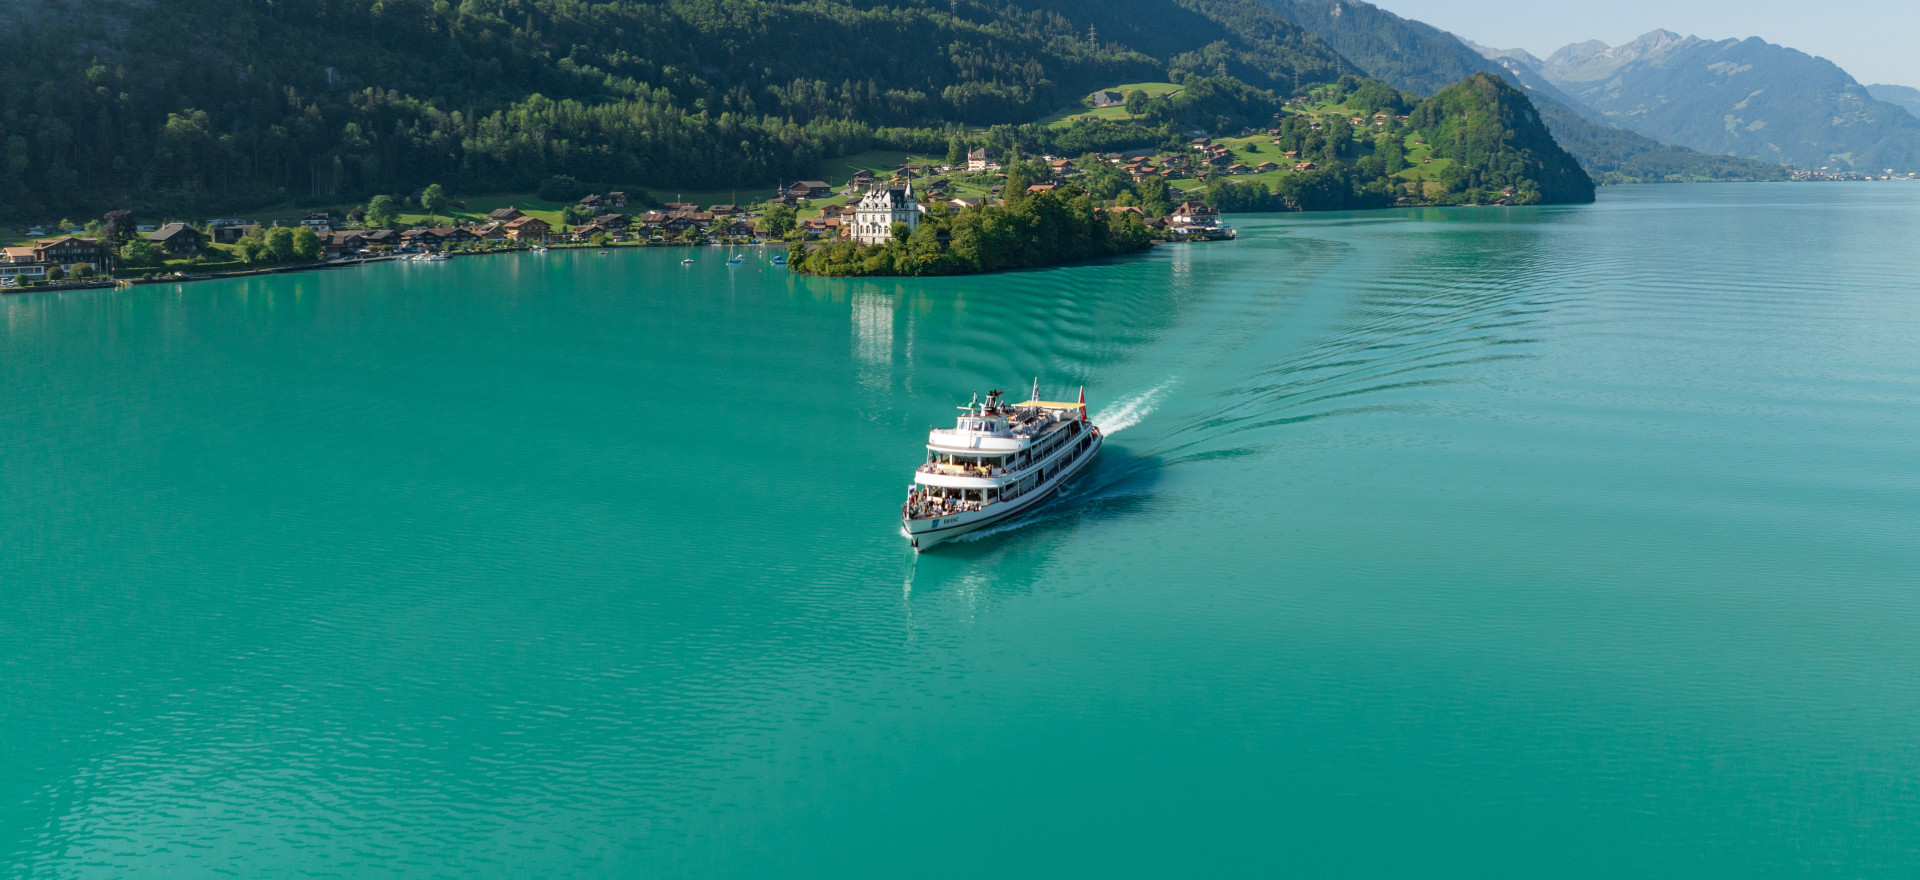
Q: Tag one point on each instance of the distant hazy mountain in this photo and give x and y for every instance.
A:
(1742, 97)
(1525, 58)
(1418, 57)
(1904, 96)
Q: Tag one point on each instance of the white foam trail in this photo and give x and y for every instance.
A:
(1130, 410)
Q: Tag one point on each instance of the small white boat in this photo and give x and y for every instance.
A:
(601, 254)
(686, 261)
(998, 460)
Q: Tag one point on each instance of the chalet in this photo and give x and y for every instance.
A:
(1108, 98)
(231, 234)
(817, 227)
(611, 224)
(491, 233)
(68, 250)
(862, 176)
(340, 244)
(178, 239)
(1358, 120)
(1063, 167)
(593, 202)
(739, 228)
(1265, 167)
(1304, 166)
(504, 215)
(1200, 143)
(725, 210)
(977, 161)
(616, 199)
(320, 222)
(963, 204)
(1126, 209)
(385, 238)
(456, 236)
(1040, 188)
(1237, 168)
(681, 206)
(529, 230)
(681, 221)
(1193, 214)
(424, 239)
(651, 220)
(1293, 154)
(808, 189)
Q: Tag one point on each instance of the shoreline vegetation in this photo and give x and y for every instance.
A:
(1042, 229)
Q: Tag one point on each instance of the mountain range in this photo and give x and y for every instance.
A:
(1420, 58)
(1738, 97)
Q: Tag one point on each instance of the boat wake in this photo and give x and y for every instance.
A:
(1130, 410)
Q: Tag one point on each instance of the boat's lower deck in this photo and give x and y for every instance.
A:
(938, 523)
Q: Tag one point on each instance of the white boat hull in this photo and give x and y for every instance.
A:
(925, 533)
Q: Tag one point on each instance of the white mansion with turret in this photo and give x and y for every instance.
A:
(878, 210)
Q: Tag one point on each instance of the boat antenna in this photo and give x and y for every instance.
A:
(1036, 389)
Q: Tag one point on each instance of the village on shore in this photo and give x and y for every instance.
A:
(865, 209)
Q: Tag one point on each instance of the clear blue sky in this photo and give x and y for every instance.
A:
(1875, 40)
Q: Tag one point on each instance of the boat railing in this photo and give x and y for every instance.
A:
(930, 508)
(962, 470)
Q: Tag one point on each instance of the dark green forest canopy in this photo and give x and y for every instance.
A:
(201, 105)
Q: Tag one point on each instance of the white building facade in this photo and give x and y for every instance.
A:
(878, 210)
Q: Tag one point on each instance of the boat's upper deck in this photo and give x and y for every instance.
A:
(997, 427)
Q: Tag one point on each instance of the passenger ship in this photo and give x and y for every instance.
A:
(999, 459)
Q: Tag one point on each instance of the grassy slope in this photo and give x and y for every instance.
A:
(1065, 117)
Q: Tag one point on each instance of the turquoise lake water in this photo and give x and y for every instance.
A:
(1482, 542)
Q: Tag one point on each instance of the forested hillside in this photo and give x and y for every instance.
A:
(1493, 132)
(1420, 58)
(205, 105)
